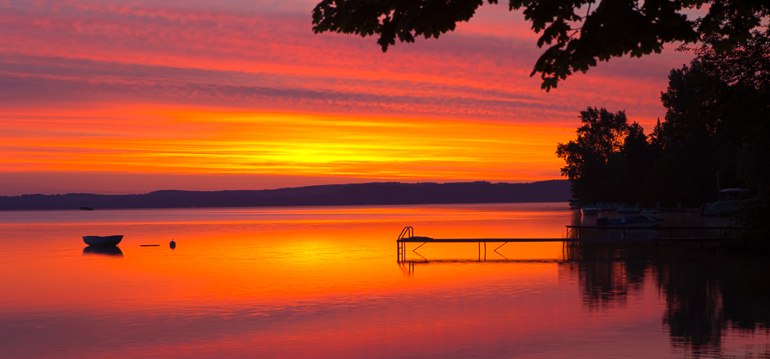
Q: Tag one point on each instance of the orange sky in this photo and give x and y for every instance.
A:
(133, 96)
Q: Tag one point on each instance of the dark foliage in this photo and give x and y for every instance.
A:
(609, 159)
(716, 131)
(577, 33)
(716, 134)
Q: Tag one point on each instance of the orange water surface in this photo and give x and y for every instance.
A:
(324, 282)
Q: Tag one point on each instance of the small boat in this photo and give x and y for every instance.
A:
(590, 210)
(730, 200)
(633, 221)
(103, 241)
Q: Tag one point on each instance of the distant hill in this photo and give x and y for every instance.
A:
(389, 193)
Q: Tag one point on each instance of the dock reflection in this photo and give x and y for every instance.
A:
(707, 294)
(408, 266)
(111, 251)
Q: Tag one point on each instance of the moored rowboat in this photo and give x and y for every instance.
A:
(102, 241)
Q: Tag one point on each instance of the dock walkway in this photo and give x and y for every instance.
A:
(574, 235)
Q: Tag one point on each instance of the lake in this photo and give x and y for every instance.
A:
(324, 282)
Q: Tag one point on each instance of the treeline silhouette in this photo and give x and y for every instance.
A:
(389, 193)
(715, 135)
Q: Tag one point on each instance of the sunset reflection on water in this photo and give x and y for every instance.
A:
(321, 282)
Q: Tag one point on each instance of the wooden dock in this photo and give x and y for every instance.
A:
(574, 235)
(661, 232)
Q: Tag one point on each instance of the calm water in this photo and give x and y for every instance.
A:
(324, 283)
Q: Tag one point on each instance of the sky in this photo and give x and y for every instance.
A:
(132, 96)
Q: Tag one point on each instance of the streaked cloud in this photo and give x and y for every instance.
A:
(246, 87)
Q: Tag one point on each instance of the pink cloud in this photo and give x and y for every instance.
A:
(274, 61)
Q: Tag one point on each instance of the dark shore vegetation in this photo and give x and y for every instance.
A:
(715, 135)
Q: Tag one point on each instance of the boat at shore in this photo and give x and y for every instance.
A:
(730, 200)
(633, 221)
(590, 210)
(103, 241)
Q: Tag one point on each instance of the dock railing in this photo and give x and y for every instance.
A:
(407, 232)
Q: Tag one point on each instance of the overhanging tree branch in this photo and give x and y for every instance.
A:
(614, 29)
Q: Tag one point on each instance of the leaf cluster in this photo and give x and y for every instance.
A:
(577, 33)
(391, 19)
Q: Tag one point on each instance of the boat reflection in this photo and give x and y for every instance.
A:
(112, 251)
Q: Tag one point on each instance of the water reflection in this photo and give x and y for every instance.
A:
(605, 280)
(408, 267)
(321, 282)
(707, 296)
(112, 251)
(704, 292)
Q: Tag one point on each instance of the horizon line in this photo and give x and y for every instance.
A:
(279, 188)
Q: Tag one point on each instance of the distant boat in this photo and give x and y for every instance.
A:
(633, 221)
(590, 210)
(103, 241)
(86, 209)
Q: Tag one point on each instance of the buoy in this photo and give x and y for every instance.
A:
(172, 244)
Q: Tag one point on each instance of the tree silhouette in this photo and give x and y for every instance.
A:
(577, 33)
(598, 162)
(716, 132)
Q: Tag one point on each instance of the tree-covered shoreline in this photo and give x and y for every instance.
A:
(715, 135)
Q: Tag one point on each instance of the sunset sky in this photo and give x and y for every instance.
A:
(131, 96)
